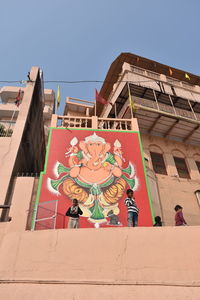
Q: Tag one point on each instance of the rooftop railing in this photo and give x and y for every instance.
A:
(77, 122)
(94, 123)
(114, 124)
(156, 76)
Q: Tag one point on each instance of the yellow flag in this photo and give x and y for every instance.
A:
(58, 97)
(187, 76)
(131, 103)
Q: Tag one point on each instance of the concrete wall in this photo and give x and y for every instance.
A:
(7, 165)
(92, 291)
(172, 189)
(143, 255)
(4, 146)
(114, 263)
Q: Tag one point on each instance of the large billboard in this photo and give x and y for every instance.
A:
(96, 167)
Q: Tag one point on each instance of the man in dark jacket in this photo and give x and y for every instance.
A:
(73, 213)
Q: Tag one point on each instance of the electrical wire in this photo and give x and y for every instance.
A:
(75, 81)
(11, 81)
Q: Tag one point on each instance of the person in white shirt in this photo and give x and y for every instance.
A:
(132, 209)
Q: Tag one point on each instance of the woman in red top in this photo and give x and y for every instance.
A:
(179, 219)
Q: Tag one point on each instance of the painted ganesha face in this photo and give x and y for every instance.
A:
(95, 176)
(94, 153)
(94, 149)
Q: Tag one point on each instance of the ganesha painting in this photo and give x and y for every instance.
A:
(96, 173)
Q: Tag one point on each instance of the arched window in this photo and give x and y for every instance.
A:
(180, 163)
(157, 160)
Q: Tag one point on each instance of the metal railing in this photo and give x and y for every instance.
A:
(28, 174)
(48, 217)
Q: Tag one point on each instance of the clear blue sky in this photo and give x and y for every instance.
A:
(79, 39)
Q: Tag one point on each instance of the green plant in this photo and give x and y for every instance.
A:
(2, 130)
(5, 132)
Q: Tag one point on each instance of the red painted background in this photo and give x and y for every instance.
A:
(59, 143)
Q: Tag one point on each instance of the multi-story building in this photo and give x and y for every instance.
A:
(25, 116)
(104, 263)
(167, 108)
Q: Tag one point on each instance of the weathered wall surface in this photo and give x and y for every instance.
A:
(97, 292)
(172, 189)
(111, 263)
(129, 260)
(146, 255)
(4, 146)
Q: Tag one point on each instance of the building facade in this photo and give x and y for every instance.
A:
(167, 107)
(104, 263)
(25, 116)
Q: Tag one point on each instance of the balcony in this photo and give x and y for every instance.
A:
(8, 107)
(169, 115)
(178, 112)
(93, 123)
(157, 76)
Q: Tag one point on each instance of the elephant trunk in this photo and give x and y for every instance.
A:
(94, 162)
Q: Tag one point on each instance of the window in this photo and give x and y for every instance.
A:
(181, 167)
(158, 163)
(198, 165)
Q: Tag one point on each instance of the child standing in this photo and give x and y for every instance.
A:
(179, 219)
(73, 214)
(158, 221)
(132, 209)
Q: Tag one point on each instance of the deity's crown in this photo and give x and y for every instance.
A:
(94, 138)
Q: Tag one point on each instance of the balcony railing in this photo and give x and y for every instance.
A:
(94, 123)
(138, 70)
(114, 124)
(167, 108)
(78, 122)
(170, 80)
(174, 82)
(48, 217)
